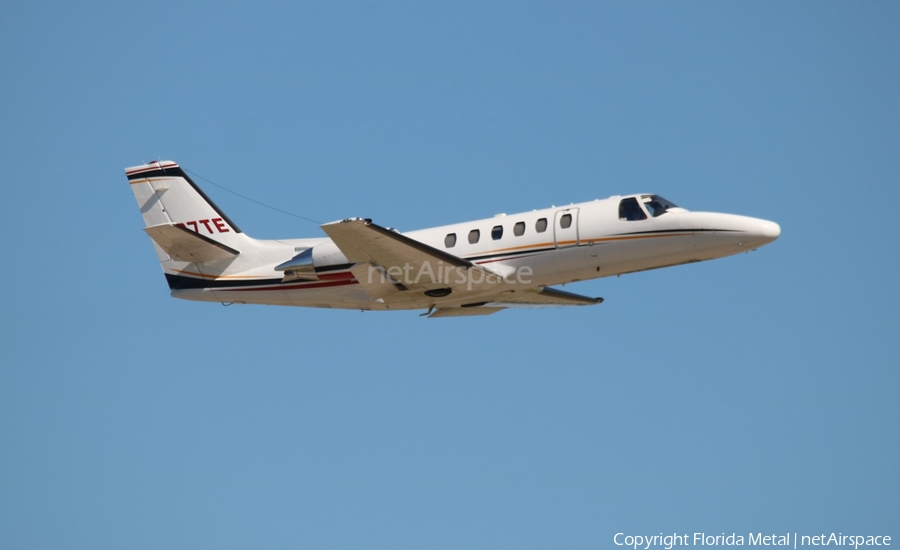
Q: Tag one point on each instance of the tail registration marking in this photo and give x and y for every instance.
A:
(217, 223)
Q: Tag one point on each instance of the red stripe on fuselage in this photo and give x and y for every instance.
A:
(337, 276)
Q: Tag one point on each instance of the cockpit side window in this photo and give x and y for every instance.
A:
(630, 210)
(656, 205)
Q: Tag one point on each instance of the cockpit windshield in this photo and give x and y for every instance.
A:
(656, 205)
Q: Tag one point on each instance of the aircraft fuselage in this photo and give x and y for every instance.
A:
(595, 243)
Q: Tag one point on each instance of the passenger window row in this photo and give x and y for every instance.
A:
(497, 232)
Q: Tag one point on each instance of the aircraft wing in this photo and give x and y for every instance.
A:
(380, 254)
(364, 242)
(535, 297)
(542, 297)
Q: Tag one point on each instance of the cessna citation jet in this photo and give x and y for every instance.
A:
(473, 268)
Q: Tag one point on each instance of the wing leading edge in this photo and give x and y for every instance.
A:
(363, 241)
(408, 263)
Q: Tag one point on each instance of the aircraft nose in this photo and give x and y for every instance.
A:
(770, 230)
(762, 232)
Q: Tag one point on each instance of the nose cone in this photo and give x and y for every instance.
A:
(716, 235)
(761, 232)
(769, 230)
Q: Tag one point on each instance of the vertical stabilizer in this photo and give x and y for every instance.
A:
(167, 196)
(195, 241)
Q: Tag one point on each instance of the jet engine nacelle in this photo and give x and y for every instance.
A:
(305, 264)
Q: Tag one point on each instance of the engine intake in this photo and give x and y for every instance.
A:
(307, 264)
(300, 266)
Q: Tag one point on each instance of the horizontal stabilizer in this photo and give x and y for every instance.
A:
(183, 245)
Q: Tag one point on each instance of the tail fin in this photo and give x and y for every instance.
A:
(167, 196)
(185, 225)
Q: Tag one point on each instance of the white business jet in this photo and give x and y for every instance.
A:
(472, 268)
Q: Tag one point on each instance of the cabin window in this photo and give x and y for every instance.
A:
(519, 229)
(565, 221)
(450, 240)
(656, 205)
(497, 232)
(630, 210)
(474, 235)
(541, 225)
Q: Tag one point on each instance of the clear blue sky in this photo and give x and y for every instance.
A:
(752, 393)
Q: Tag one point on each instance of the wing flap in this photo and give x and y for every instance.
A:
(183, 245)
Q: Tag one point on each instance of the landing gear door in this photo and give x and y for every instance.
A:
(565, 228)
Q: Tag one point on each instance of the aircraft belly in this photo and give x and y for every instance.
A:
(716, 244)
(342, 297)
